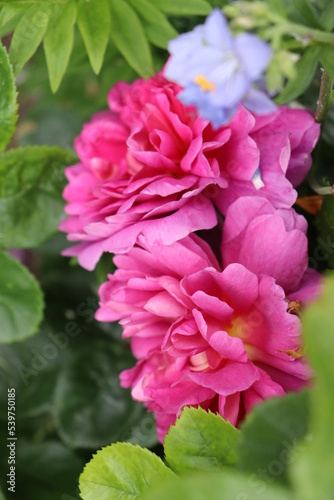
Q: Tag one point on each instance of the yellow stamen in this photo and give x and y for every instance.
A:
(205, 85)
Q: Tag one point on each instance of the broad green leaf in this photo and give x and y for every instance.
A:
(122, 471)
(200, 441)
(186, 7)
(31, 183)
(129, 37)
(157, 27)
(327, 59)
(327, 16)
(92, 409)
(305, 70)
(46, 470)
(58, 41)
(269, 437)
(21, 301)
(325, 226)
(28, 35)
(8, 104)
(312, 473)
(213, 486)
(94, 26)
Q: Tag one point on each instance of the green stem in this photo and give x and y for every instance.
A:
(325, 97)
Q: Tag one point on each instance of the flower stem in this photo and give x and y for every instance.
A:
(325, 97)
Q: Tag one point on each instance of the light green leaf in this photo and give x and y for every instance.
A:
(21, 301)
(327, 17)
(122, 471)
(8, 104)
(157, 27)
(94, 26)
(200, 441)
(327, 59)
(312, 473)
(58, 41)
(9, 17)
(269, 437)
(184, 7)
(2, 495)
(31, 183)
(92, 410)
(28, 35)
(129, 37)
(213, 486)
(305, 70)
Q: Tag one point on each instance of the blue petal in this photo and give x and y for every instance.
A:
(254, 54)
(258, 102)
(217, 32)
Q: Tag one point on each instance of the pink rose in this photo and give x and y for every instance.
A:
(222, 339)
(144, 168)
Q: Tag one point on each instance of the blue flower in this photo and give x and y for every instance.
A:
(218, 70)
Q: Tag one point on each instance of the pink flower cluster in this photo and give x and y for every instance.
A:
(212, 326)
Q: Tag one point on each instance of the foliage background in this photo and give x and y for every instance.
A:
(66, 55)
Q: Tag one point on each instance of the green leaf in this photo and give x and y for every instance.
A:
(129, 37)
(94, 26)
(92, 409)
(327, 17)
(2, 497)
(21, 301)
(9, 17)
(186, 7)
(28, 35)
(157, 27)
(46, 470)
(31, 183)
(325, 226)
(213, 486)
(313, 470)
(200, 441)
(58, 41)
(326, 58)
(307, 13)
(269, 437)
(305, 70)
(122, 471)
(8, 104)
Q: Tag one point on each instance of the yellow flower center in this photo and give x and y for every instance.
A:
(204, 83)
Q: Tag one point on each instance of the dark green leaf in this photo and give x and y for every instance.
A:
(325, 226)
(122, 471)
(213, 486)
(268, 438)
(91, 407)
(327, 59)
(94, 25)
(28, 35)
(157, 27)
(305, 70)
(21, 301)
(185, 7)
(31, 183)
(58, 41)
(307, 13)
(200, 441)
(313, 470)
(129, 37)
(8, 104)
(46, 470)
